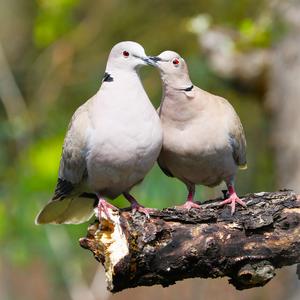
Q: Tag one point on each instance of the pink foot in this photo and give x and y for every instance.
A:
(103, 207)
(232, 200)
(135, 206)
(140, 208)
(188, 205)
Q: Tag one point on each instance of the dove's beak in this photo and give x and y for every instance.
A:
(155, 61)
(148, 61)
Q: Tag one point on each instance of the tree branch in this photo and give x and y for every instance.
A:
(175, 244)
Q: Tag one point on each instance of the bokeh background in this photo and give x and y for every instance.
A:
(52, 58)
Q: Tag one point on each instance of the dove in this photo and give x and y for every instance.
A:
(112, 142)
(203, 138)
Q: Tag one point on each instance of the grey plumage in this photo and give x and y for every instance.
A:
(204, 141)
(112, 141)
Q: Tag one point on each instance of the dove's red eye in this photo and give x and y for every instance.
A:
(125, 53)
(175, 61)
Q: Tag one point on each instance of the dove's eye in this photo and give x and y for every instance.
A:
(125, 53)
(175, 61)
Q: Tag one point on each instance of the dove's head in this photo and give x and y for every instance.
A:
(127, 56)
(173, 68)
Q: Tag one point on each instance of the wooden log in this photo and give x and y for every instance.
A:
(175, 244)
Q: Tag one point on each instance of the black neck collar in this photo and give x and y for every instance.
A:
(107, 77)
(189, 88)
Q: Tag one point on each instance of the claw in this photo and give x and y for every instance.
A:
(188, 205)
(141, 209)
(232, 200)
(103, 207)
(135, 206)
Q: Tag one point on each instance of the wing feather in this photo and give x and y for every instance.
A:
(70, 204)
(238, 142)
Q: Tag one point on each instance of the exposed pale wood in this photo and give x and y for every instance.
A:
(174, 244)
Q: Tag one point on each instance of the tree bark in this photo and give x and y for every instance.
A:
(175, 244)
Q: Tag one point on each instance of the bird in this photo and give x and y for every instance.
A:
(203, 138)
(112, 142)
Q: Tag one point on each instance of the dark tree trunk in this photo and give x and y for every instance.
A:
(174, 244)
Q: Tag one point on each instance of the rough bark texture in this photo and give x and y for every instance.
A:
(174, 244)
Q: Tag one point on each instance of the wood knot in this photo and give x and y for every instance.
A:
(211, 246)
(254, 275)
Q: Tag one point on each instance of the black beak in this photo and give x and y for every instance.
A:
(155, 58)
(148, 60)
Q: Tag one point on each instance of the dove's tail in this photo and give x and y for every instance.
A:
(69, 210)
(243, 167)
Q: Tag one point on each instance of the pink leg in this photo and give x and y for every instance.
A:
(103, 207)
(233, 199)
(190, 200)
(135, 206)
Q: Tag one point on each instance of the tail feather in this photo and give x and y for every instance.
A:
(243, 167)
(73, 210)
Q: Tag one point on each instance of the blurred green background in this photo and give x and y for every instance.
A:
(52, 58)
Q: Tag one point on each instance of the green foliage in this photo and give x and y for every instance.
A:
(3, 220)
(255, 33)
(54, 18)
(43, 159)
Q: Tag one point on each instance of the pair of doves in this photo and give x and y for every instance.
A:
(114, 139)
